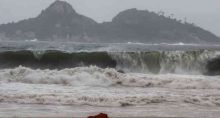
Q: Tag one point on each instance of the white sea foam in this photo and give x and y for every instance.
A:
(102, 96)
(94, 76)
(32, 40)
(105, 87)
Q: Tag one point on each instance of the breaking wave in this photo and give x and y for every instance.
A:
(105, 87)
(109, 74)
(54, 59)
(157, 62)
(94, 76)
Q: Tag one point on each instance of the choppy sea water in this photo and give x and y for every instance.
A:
(76, 80)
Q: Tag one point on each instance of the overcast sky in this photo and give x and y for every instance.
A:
(204, 13)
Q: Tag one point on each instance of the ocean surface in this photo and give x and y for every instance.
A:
(133, 79)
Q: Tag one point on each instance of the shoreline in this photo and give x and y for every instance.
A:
(150, 111)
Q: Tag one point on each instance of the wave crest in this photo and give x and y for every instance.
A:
(177, 62)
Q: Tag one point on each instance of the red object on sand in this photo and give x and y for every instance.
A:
(101, 115)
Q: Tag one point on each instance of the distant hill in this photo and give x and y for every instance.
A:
(60, 22)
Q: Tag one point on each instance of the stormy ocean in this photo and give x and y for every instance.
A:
(132, 79)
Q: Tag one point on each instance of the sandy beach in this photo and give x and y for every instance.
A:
(151, 111)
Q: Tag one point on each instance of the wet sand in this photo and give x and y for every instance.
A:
(150, 111)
